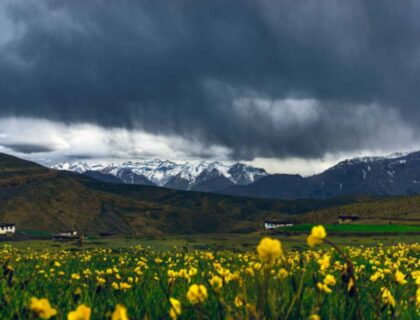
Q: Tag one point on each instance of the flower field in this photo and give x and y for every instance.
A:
(322, 282)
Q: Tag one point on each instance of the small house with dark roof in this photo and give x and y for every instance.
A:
(7, 228)
(343, 219)
(274, 224)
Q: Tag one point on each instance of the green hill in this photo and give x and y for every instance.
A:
(385, 210)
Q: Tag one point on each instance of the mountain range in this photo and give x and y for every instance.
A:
(39, 198)
(206, 176)
(397, 174)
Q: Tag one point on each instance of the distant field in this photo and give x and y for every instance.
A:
(234, 242)
(356, 228)
(35, 233)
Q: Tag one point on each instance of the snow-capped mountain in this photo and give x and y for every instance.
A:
(192, 175)
(396, 174)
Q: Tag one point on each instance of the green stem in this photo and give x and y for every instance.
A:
(297, 296)
(350, 269)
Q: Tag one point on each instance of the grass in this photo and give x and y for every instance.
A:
(142, 274)
(218, 241)
(35, 233)
(356, 228)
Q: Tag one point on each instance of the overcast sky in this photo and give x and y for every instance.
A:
(293, 86)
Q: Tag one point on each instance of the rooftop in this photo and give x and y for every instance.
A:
(6, 225)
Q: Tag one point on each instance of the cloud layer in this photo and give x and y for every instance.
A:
(53, 139)
(255, 79)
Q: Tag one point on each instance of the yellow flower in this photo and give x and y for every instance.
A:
(317, 236)
(115, 285)
(257, 266)
(238, 302)
(314, 317)
(269, 249)
(100, 281)
(197, 293)
(42, 308)
(216, 282)
(323, 287)
(400, 277)
(209, 255)
(350, 285)
(125, 286)
(324, 262)
(329, 280)
(81, 313)
(175, 310)
(120, 313)
(250, 271)
(283, 273)
(387, 297)
(75, 276)
(416, 276)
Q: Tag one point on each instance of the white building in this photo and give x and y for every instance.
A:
(6, 228)
(274, 224)
(68, 234)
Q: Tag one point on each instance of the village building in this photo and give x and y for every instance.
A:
(68, 234)
(343, 219)
(274, 224)
(7, 228)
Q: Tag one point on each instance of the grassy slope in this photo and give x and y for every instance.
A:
(397, 210)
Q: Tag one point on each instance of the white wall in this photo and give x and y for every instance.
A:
(4, 230)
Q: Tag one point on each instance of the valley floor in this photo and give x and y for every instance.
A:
(223, 241)
(213, 276)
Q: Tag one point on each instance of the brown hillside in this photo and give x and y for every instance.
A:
(405, 210)
(38, 198)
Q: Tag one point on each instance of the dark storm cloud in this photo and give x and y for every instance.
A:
(27, 148)
(220, 71)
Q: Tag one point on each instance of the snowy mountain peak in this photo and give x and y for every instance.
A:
(173, 174)
(370, 159)
(396, 155)
(78, 166)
